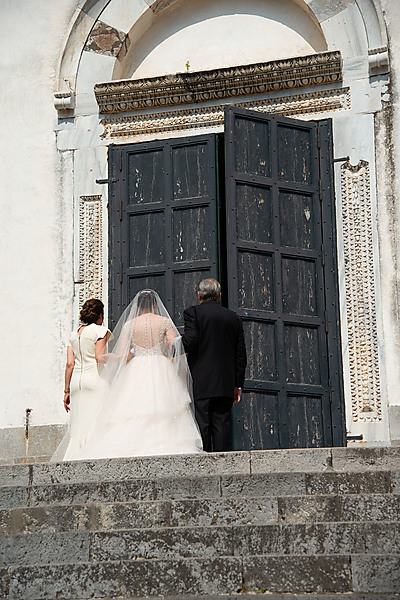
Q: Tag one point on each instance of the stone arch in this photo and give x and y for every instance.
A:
(364, 34)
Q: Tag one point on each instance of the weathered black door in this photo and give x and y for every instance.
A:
(282, 280)
(163, 221)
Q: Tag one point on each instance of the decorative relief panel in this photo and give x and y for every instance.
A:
(213, 116)
(217, 84)
(360, 293)
(90, 248)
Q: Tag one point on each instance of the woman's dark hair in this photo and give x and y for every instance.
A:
(146, 301)
(91, 311)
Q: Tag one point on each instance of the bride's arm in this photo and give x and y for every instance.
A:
(100, 347)
(170, 334)
(122, 348)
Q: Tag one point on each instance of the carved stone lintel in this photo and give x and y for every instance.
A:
(360, 293)
(217, 84)
(213, 116)
(90, 248)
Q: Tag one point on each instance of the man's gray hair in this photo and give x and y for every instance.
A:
(209, 289)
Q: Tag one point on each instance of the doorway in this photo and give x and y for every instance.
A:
(253, 207)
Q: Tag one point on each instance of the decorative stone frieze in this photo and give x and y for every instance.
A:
(213, 116)
(360, 293)
(218, 84)
(90, 248)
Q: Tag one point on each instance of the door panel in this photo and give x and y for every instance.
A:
(163, 221)
(277, 247)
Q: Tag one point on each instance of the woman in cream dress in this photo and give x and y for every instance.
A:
(84, 384)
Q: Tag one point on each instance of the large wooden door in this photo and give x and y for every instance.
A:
(163, 221)
(282, 280)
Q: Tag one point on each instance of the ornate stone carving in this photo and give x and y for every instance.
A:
(217, 84)
(90, 248)
(360, 293)
(213, 116)
(104, 39)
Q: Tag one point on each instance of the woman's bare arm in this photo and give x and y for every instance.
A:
(69, 367)
(101, 346)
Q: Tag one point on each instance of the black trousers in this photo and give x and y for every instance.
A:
(213, 416)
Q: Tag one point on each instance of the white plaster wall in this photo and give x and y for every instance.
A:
(388, 169)
(35, 212)
(211, 34)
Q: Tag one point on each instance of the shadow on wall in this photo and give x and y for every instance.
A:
(208, 35)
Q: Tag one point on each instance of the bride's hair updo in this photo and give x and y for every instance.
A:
(146, 302)
(91, 311)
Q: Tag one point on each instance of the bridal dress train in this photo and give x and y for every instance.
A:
(148, 408)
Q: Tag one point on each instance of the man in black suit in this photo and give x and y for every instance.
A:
(214, 341)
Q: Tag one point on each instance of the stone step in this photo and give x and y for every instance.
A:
(260, 461)
(201, 542)
(201, 513)
(270, 596)
(216, 486)
(201, 576)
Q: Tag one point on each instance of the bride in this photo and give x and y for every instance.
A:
(148, 408)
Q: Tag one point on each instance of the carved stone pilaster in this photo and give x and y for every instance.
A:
(90, 248)
(360, 293)
(315, 103)
(218, 84)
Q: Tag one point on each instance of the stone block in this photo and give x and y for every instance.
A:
(310, 509)
(300, 539)
(120, 469)
(366, 459)
(13, 443)
(382, 538)
(376, 482)
(66, 581)
(80, 493)
(182, 577)
(131, 515)
(147, 578)
(193, 487)
(11, 497)
(45, 519)
(44, 548)
(266, 484)
(161, 544)
(44, 439)
(229, 511)
(376, 574)
(297, 574)
(14, 475)
(395, 482)
(394, 424)
(4, 583)
(294, 460)
(374, 507)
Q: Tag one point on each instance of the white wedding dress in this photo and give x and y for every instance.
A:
(148, 409)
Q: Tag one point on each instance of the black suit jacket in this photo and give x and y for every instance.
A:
(214, 341)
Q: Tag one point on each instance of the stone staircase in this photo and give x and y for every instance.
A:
(322, 524)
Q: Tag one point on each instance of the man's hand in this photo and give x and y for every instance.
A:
(237, 391)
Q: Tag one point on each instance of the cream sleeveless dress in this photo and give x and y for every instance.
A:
(87, 387)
